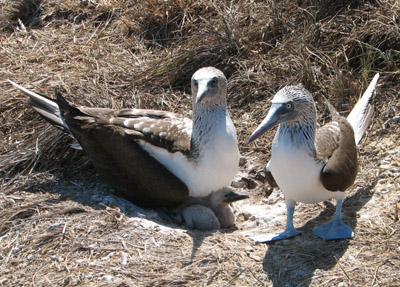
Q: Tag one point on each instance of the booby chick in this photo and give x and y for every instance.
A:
(199, 217)
(155, 158)
(212, 212)
(311, 164)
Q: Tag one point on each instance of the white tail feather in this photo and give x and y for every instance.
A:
(361, 115)
(33, 95)
(45, 107)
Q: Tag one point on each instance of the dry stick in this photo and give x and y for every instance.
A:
(340, 266)
(376, 271)
(63, 232)
(254, 276)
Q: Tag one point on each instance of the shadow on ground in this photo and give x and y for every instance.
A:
(293, 262)
(88, 190)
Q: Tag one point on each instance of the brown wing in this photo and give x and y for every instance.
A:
(163, 129)
(336, 146)
(110, 142)
(268, 176)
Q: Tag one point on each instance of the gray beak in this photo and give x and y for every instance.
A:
(276, 115)
(233, 196)
(202, 93)
(207, 88)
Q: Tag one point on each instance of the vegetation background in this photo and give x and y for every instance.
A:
(60, 226)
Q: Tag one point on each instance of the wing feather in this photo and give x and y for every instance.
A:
(159, 128)
(336, 146)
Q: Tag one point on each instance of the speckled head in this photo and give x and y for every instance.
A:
(209, 86)
(301, 102)
(292, 93)
(226, 196)
(290, 105)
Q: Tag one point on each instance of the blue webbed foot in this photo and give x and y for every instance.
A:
(268, 237)
(334, 229)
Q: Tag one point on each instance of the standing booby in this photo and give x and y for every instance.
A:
(155, 158)
(311, 164)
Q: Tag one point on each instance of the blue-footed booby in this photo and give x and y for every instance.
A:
(155, 158)
(309, 163)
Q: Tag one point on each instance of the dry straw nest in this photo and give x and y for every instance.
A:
(126, 53)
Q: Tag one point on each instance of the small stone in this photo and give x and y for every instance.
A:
(255, 257)
(383, 190)
(107, 258)
(108, 278)
(238, 184)
(246, 215)
(250, 184)
(249, 248)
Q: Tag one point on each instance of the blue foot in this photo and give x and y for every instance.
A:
(268, 237)
(334, 229)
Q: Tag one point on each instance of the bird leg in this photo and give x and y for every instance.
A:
(335, 228)
(287, 233)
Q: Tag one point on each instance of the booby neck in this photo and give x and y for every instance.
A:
(300, 131)
(208, 122)
(210, 115)
(302, 135)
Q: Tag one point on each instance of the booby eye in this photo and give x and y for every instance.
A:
(196, 83)
(214, 82)
(289, 106)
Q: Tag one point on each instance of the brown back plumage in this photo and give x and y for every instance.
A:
(110, 143)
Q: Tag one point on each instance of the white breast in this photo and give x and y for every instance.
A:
(215, 167)
(297, 173)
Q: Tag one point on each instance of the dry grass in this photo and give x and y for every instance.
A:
(55, 227)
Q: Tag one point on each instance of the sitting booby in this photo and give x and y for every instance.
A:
(311, 164)
(155, 158)
(210, 212)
